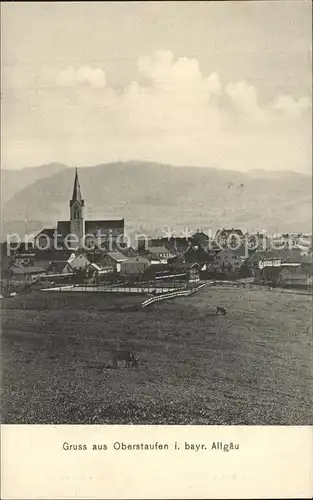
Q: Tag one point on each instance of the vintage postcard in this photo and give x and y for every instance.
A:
(156, 250)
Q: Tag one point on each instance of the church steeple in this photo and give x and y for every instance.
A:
(77, 194)
(77, 224)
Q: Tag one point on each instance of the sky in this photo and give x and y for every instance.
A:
(213, 84)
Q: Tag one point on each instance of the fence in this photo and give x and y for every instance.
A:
(172, 295)
(110, 289)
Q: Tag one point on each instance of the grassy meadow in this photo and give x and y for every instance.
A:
(253, 366)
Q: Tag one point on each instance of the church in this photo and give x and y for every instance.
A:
(77, 232)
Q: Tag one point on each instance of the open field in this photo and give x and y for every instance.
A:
(253, 366)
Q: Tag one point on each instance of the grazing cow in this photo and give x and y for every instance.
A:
(127, 356)
(221, 310)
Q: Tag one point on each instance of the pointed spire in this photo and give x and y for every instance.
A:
(77, 195)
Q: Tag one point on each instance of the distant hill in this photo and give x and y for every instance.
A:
(13, 181)
(151, 196)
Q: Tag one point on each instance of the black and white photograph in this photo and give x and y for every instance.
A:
(156, 222)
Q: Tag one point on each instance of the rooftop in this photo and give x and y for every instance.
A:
(27, 270)
(137, 259)
(227, 232)
(117, 256)
(161, 249)
(48, 231)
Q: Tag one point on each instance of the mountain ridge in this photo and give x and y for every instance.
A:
(14, 180)
(151, 196)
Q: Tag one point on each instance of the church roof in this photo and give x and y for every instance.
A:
(77, 195)
(64, 227)
(49, 232)
(94, 225)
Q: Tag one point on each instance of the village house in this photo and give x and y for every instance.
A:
(286, 268)
(200, 238)
(178, 245)
(231, 259)
(176, 262)
(159, 253)
(309, 251)
(291, 255)
(292, 275)
(279, 256)
(175, 245)
(76, 263)
(128, 251)
(257, 241)
(6, 261)
(15, 248)
(26, 273)
(45, 258)
(179, 264)
(105, 270)
(164, 273)
(211, 270)
(193, 271)
(56, 268)
(307, 264)
(113, 259)
(253, 261)
(198, 254)
(154, 270)
(25, 259)
(81, 266)
(134, 266)
(229, 237)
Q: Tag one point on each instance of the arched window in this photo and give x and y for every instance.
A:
(76, 213)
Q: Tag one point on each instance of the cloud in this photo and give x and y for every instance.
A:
(171, 112)
(214, 84)
(292, 107)
(244, 98)
(167, 74)
(85, 74)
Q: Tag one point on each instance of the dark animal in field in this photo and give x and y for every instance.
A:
(128, 357)
(221, 310)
